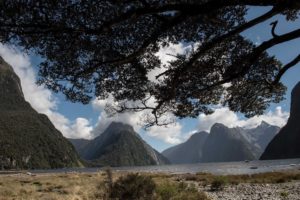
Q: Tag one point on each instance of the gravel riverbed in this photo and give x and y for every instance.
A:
(247, 191)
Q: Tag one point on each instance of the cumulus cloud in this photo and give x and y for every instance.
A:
(104, 119)
(40, 98)
(170, 134)
(225, 116)
(82, 128)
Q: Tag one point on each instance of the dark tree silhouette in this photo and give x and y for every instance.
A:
(96, 48)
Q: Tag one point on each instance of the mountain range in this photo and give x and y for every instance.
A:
(28, 139)
(260, 137)
(189, 151)
(118, 145)
(265, 142)
(223, 144)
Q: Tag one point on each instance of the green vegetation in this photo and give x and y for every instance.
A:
(133, 186)
(137, 186)
(28, 139)
(125, 150)
(176, 191)
(118, 145)
(284, 195)
(218, 183)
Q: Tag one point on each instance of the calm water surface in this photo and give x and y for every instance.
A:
(215, 168)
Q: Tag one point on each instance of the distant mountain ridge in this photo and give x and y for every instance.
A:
(260, 137)
(118, 145)
(223, 144)
(187, 152)
(286, 144)
(28, 140)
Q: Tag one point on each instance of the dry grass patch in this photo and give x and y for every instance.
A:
(68, 186)
(269, 177)
(93, 186)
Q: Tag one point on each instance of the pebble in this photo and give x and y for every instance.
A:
(244, 191)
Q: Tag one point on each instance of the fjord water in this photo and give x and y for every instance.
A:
(224, 168)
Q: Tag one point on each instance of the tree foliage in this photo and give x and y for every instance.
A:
(102, 48)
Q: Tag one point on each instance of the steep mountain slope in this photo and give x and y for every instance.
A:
(286, 144)
(28, 139)
(260, 137)
(226, 144)
(263, 134)
(187, 152)
(119, 145)
(79, 144)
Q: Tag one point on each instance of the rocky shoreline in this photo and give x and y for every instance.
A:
(250, 191)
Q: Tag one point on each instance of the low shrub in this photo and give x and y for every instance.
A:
(37, 183)
(218, 183)
(166, 190)
(284, 195)
(133, 186)
(143, 187)
(178, 191)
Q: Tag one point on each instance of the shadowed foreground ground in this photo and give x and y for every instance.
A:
(80, 186)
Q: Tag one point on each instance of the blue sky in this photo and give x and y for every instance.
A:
(284, 52)
(85, 119)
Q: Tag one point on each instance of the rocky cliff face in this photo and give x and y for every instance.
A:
(118, 145)
(187, 152)
(28, 139)
(260, 137)
(11, 95)
(286, 144)
(225, 145)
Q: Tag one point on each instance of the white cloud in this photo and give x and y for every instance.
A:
(40, 98)
(104, 119)
(127, 118)
(170, 134)
(82, 128)
(231, 119)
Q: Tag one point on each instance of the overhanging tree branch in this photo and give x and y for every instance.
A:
(111, 47)
(245, 63)
(153, 37)
(286, 68)
(209, 45)
(274, 24)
